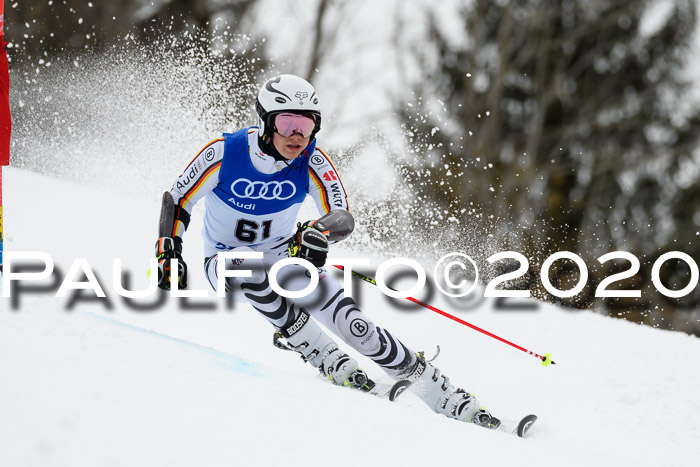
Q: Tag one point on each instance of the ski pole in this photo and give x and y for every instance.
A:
(546, 359)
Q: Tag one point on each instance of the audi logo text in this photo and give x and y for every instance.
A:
(244, 188)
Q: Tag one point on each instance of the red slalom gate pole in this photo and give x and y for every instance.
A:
(1, 223)
(545, 359)
(5, 119)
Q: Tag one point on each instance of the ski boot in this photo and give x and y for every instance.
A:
(485, 419)
(441, 396)
(306, 337)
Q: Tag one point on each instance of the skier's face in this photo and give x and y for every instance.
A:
(290, 147)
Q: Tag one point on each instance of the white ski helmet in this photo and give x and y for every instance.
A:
(288, 94)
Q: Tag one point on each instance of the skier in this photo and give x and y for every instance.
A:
(254, 181)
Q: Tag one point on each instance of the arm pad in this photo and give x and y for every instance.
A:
(169, 214)
(337, 225)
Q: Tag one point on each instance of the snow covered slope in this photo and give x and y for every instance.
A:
(102, 384)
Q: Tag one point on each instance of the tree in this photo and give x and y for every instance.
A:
(56, 27)
(564, 125)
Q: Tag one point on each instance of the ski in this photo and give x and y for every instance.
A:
(519, 428)
(389, 391)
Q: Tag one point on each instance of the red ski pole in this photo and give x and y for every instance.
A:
(546, 359)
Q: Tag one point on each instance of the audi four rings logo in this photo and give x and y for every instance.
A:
(244, 188)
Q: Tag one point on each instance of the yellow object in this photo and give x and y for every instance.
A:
(547, 359)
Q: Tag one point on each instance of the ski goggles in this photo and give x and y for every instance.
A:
(288, 124)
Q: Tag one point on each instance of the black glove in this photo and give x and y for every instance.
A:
(168, 248)
(309, 243)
